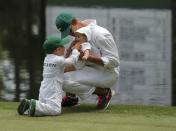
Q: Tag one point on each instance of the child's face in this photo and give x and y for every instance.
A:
(60, 51)
(80, 37)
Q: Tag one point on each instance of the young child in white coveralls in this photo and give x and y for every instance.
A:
(50, 94)
(85, 48)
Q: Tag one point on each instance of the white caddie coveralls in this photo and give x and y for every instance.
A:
(50, 93)
(82, 82)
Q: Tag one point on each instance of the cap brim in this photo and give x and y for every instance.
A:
(65, 41)
(65, 33)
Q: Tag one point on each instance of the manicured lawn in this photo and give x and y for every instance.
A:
(87, 118)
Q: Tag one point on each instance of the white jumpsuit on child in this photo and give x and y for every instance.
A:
(50, 94)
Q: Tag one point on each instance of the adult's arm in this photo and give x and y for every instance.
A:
(94, 59)
(109, 51)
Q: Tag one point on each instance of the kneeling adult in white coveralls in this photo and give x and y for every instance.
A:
(50, 94)
(100, 73)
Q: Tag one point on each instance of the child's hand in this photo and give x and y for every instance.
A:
(85, 57)
(77, 46)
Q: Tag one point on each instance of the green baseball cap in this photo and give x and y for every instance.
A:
(63, 23)
(53, 42)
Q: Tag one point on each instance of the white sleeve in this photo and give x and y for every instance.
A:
(109, 52)
(73, 58)
(85, 46)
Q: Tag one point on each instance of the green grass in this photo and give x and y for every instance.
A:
(87, 118)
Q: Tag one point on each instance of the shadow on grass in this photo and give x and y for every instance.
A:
(80, 109)
(123, 109)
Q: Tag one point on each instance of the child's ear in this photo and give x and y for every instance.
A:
(59, 49)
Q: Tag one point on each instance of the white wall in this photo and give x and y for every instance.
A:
(144, 41)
